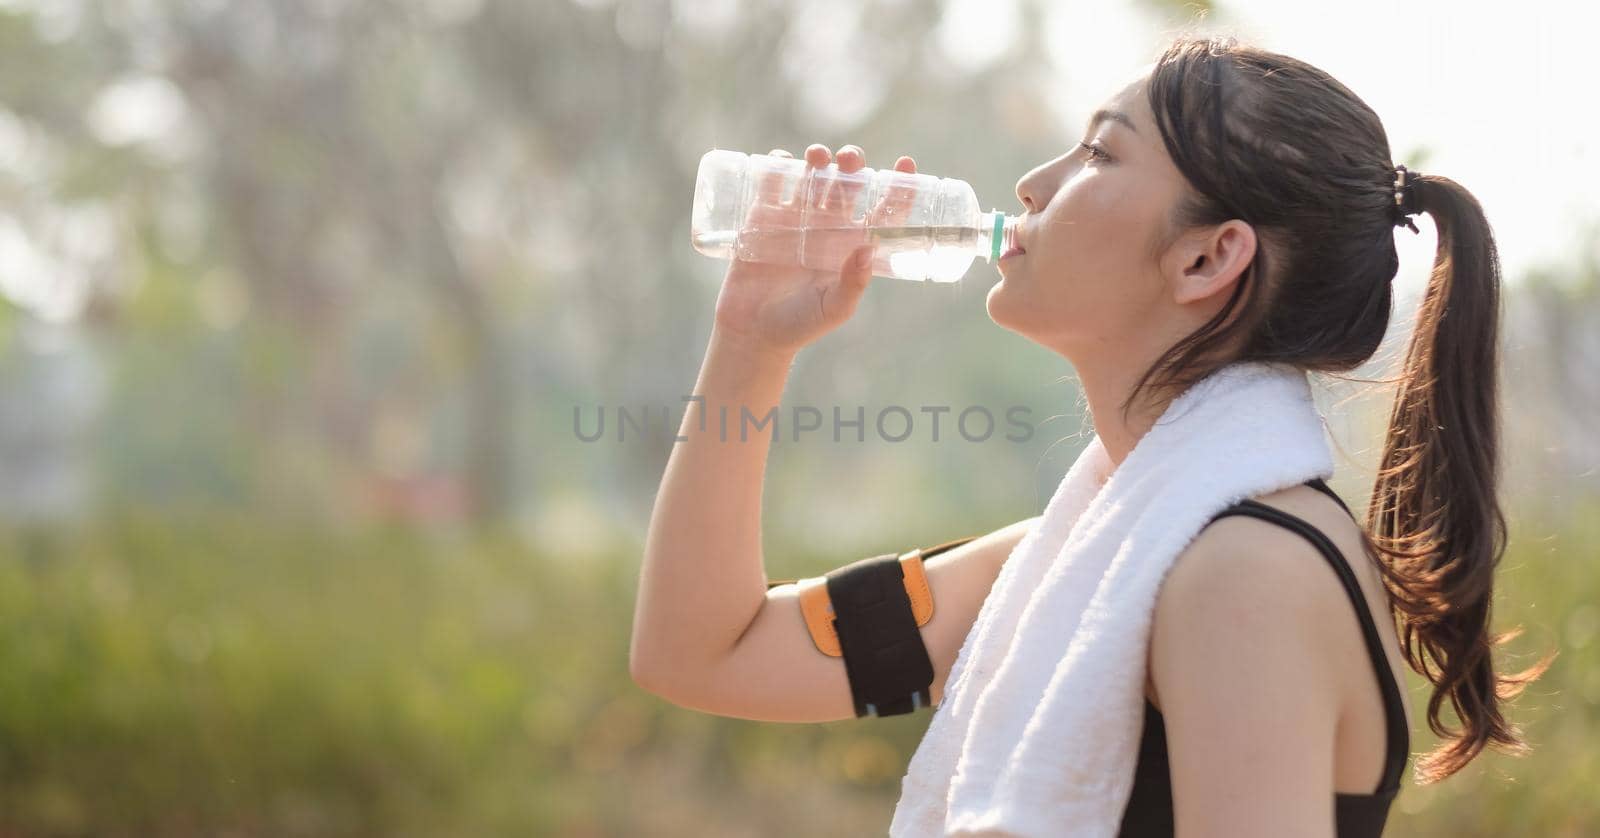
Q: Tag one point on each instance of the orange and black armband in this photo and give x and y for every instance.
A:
(870, 613)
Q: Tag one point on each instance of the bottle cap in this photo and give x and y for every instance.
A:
(998, 237)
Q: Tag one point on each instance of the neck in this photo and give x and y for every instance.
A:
(1106, 387)
(1108, 376)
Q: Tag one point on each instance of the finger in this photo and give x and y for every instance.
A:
(770, 186)
(851, 158)
(857, 269)
(901, 194)
(840, 299)
(841, 199)
(855, 276)
(817, 156)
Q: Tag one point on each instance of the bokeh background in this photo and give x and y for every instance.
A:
(303, 304)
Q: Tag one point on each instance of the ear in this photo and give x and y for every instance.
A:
(1212, 263)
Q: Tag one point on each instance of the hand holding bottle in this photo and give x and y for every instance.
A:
(779, 308)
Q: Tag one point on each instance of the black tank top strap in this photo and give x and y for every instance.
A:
(1393, 704)
(1322, 486)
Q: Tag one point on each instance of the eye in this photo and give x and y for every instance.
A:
(1095, 151)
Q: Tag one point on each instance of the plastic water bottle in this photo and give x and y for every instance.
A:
(922, 227)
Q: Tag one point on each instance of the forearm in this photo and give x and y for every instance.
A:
(703, 578)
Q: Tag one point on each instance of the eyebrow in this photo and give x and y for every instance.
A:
(1115, 116)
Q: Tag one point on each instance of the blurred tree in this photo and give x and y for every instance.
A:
(1551, 391)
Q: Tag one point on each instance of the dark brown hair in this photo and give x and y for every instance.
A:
(1283, 146)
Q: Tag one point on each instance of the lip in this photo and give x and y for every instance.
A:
(1017, 236)
(1015, 251)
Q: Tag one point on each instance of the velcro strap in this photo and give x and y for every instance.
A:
(887, 663)
(817, 607)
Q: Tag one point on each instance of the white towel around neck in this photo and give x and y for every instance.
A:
(1038, 729)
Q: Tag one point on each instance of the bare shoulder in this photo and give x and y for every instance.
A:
(1244, 583)
(1247, 678)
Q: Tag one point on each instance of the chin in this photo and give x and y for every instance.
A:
(994, 301)
(1026, 319)
(1004, 308)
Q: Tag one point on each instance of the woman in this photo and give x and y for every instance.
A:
(1227, 205)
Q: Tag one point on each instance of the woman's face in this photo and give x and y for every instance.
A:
(1091, 281)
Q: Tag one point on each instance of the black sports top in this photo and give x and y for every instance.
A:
(1149, 809)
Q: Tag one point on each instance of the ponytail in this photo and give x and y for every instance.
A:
(1435, 519)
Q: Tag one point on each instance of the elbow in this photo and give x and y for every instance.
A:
(642, 675)
(655, 682)
(636, 672)
(643, 655)
(643, 679)
(648, 673)
(639, 669)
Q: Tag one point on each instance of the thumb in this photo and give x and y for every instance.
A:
(841, 300)
(858, 270)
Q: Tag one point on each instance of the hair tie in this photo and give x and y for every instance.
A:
(1407, 197)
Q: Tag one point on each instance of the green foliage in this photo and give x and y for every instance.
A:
(1547, 585)
(188, 674)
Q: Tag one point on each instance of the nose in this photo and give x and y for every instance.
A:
(1025, 194)
(1035, 189)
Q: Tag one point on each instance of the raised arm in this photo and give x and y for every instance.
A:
(703, 579)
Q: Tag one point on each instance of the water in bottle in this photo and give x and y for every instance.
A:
(921, 227)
